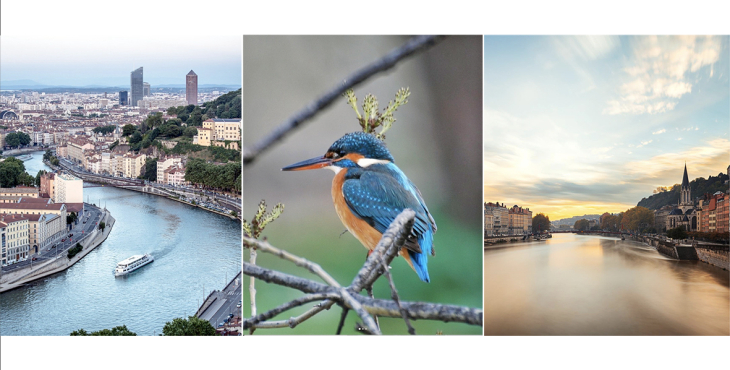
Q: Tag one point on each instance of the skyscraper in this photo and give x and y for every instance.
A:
(136, 89)
(146, 89)
(123, 98)
(191, 88)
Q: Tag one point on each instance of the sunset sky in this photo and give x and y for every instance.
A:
(581, 125)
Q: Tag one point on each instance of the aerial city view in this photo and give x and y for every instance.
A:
(120, 187)
(606, 185)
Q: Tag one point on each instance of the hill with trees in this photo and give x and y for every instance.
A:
(225, 106)
(670, 195)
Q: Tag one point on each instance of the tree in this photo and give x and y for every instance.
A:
(150, 169)
(637, 219)
(190, 131)
(104, 130)
(71, 218)
(24, 138)
(128, 129)
(47, 155)
(581, 225)
(115, 331)
(540, 222)
(677, 233)
(11, 170)
(192, 326)
(12, 140)
(135, 138)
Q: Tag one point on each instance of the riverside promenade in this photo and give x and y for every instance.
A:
(18, 278)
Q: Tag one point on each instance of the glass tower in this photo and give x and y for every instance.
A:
(136, 91)
(191, 88)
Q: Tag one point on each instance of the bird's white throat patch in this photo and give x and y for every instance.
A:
(365, 162)
(335, 169)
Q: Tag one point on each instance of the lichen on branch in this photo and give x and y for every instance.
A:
(261, 219)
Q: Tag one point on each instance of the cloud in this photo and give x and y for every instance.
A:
(659, 132)
(644, 143)
(658, 70)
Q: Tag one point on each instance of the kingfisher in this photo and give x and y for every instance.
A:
(369, 191)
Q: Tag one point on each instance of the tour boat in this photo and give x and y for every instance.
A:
(132, 263)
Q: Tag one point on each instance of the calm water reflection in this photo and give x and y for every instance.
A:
(195, 251)
(590, 285)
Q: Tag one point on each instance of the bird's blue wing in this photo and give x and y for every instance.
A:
(378, 197)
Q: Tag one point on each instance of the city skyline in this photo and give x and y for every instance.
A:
(586, 125)
(56, 61)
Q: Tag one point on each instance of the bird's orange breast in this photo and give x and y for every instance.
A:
(366, 234)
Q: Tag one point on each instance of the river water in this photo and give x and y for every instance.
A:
(195, 252)
(591, 285)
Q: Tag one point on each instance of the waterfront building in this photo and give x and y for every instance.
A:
(75, 148)
(660, 218)
(175, 176)
(133, 164)
(500, 214)
(123, 98)
(69, 189)
(16, 237)
(136, 87)
(520, 220)
(191, 88)
(3, 243)
(165, 163)
(488, 224)
(712, 213)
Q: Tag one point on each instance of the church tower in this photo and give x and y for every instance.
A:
(685, 198)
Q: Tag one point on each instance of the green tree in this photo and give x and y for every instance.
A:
(128, 129)
(47, 155)
(581, 225)
(24, 138)
(677, 233)
(192, 326)
(190, 132)
(104, 130)
(135, 138)
(12, 140)
(115, 331)
(150, 169)
(71, 217)
(11, 170)
(153, 120)
(540, 222)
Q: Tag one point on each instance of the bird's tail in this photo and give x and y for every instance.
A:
(420, 260)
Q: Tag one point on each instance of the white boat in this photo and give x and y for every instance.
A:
(132, 263)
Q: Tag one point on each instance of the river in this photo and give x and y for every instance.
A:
(591, 285)
(195, 252)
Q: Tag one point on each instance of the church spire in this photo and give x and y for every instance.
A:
(685, 179)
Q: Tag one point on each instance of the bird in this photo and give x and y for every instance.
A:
(369, 191)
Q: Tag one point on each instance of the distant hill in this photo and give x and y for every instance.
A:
(699, 187)
(572, 220)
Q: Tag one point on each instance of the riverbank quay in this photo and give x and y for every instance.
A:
(223, 308)
(14, 152)
(179, 196)
(21, 277)
(717, 255)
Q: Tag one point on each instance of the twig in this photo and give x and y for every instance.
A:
(252, 288)
(345, 310)
(252, 322)
(412, 46)
(371, 295)
(396, 299)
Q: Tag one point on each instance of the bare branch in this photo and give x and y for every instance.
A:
(412, 46)
(251, 286)
(349, 297)
(314, 268)
(250, 323)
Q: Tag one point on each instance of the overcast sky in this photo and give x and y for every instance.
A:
(108, 60)
(580, 125)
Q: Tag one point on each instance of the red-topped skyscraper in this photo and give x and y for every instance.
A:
(191, 88)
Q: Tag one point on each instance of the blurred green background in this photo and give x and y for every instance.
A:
(436, 142)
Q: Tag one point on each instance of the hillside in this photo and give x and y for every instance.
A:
(225, 106)
(699, 187)
(572, 220)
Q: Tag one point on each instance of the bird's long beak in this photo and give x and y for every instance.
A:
(309, 164)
